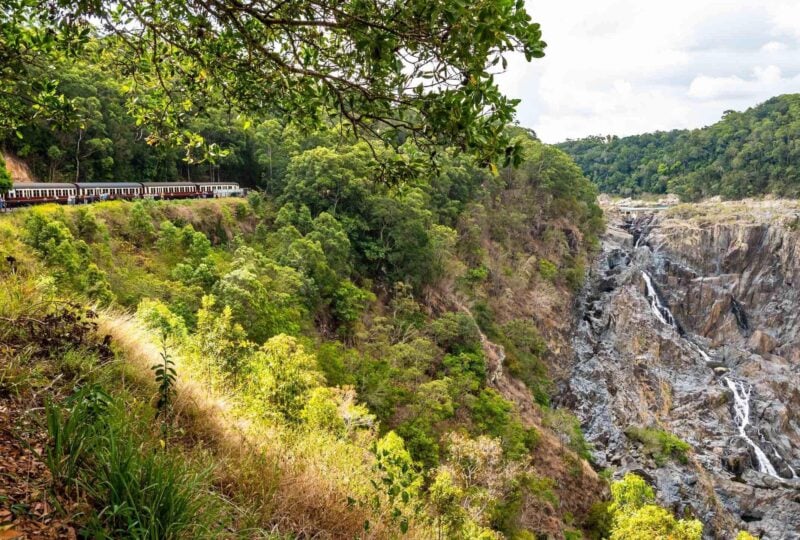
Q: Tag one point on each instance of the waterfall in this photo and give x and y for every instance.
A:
(700, 351)
(661, 311)
(741, 408)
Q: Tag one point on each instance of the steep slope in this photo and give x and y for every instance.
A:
(689, 328)
(386, 375)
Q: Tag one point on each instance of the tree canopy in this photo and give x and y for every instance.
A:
(387, 71)
(744, 154)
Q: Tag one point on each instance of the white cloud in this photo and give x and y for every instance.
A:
(773, 46)
(627, 66)
(764, 79)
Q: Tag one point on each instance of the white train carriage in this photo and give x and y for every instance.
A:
(170, 190)
(40, 192)
(219, 189)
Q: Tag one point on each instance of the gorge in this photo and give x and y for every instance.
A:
(688, 329)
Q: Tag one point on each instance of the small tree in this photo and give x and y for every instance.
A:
(141, 225)
(5, 177)
(281, 375)
(636, 517)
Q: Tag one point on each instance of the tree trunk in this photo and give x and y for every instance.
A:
(78, 157)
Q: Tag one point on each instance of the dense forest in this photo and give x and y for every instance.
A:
(364, 347)
(748, 153)
(102, 142)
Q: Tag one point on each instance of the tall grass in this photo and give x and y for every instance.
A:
(137, 488)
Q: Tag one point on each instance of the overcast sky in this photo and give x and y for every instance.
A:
(630, 66)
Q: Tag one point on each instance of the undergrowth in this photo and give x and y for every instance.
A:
(661, 445)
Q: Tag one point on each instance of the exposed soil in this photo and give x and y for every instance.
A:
(27, 507)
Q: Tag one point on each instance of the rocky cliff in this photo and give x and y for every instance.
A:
(690, 325)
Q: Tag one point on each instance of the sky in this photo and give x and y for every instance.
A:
(631, 66)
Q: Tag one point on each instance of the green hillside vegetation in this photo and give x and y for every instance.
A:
(750, 153)
(306, 313)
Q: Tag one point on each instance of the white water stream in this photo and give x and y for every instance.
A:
(741, 392)
(661, 311)
(741, 408)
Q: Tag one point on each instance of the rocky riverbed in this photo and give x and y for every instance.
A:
(690, 324)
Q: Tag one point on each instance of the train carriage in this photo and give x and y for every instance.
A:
(101, 191)
(88, 192)
(40, 192)
(219, 189)
(170, 190)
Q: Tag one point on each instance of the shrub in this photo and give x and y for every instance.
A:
(141, 226)
(321, 411)
(67, 258)
(491, 413)
(599, 521)
(420, 442)
(524, 350)
(660, 444)
(574, 275)
(157, 316)
(569, 427)
(547, 269)
(477, 275)
(456, 332)
(279, 378)
(349, 303)
(471, 365)
(635, 517)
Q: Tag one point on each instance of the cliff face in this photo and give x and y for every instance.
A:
(691, 325)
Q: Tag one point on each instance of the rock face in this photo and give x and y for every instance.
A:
(690, 323)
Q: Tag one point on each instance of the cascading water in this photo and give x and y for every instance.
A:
(632, 370)
(661, 312)
(664, 315)
(741, 392)
(741, 408)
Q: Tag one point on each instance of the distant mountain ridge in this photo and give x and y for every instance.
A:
(749, 153)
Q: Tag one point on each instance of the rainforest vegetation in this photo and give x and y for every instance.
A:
(363, 347)
(745, 154)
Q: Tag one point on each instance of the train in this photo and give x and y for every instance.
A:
(87, 192)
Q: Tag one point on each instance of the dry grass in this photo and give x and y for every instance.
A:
(285, 480)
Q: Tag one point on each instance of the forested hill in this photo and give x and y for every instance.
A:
(748, 153)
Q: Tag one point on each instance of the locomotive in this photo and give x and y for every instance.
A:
(86, 192)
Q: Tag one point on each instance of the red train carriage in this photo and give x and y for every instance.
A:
(104, 191)
(38, 193)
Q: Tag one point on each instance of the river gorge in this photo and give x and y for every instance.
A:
(690, 324)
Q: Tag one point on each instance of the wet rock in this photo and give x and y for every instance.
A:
(737, 458)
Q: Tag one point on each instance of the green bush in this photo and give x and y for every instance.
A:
(660, 444)
(477, 275)
(524, 349)
(547, 269)
(456, 332)
(569, 427)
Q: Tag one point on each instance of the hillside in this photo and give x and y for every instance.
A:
(361, 350)
(755, 152)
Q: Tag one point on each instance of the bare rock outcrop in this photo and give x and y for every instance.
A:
(691, 325)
